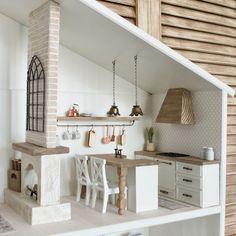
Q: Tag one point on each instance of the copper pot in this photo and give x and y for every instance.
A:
(73, 112)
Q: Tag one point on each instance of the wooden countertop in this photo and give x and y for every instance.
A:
(189, 159)
(35, 150)
(123, 162)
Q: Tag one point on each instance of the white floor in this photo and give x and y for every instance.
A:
(87, 221)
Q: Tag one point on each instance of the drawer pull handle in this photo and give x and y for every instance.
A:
(187, 195)
(163, 191)
(187, 180)
(165, 162)
(187, 168)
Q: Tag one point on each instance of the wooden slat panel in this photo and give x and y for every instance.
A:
(230, 80)
(231, 139)
(230, 219)
(226, 3)
(232, 100)
(230, 230)
(131, 20)
(120, 9)
(193, 35)
(197, 15)
(123, 2)
(231, 159)
(218, 69)
(203, 7)
(230, 209)
(230, 198)
(231, 179)
(208, 58)
(231, 129)
(197, 25)
(232, 110)
(231, 120)
(199, 46)
(231, 168)
(231, 149)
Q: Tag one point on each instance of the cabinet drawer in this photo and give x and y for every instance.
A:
(166, 174)
(166, 192)
(189, 181)
(189, 196)
(189, 169)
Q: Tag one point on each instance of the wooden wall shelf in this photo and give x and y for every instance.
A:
(118, 121)
(98, 118)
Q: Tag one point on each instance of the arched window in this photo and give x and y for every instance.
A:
(35, 96)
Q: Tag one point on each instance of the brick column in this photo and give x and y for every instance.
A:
(43, 41)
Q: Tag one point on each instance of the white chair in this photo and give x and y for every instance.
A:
(83, 177)
(100, 183)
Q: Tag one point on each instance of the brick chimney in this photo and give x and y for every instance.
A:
(43, 41)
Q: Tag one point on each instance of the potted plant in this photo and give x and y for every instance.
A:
(150, 146)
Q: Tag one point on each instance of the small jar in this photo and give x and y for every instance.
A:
(209, 154)
(203, 153)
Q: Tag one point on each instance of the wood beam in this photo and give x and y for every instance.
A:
(148, 14)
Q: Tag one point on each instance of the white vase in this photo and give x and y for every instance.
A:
(150, 147)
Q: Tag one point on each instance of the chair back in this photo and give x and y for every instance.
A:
(98, 173)
(82, 169)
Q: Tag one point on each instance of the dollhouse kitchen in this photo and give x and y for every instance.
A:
(121, 134)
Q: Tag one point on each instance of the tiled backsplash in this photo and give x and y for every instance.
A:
(191, 138)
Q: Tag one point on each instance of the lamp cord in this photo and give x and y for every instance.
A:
(114, 74)
(135, 78)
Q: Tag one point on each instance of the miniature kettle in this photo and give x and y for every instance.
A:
(73, 112)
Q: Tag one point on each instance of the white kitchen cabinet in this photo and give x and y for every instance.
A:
(197, 184)
(142, 190)
(166, 176)
(191, 183)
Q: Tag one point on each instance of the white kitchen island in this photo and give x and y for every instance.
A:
(141, 178)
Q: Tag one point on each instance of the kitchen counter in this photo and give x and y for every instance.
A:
(189, 159)
(123, 162)
(34, 150)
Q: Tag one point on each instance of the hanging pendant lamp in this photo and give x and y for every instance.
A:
(136, 110)
(114, 110)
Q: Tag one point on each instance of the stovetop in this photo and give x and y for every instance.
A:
(172, 154)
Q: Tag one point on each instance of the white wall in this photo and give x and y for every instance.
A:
(85, 83)
(190, 139)
(13, 60)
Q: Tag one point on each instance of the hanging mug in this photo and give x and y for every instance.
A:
(76, 134)
(67, 135)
